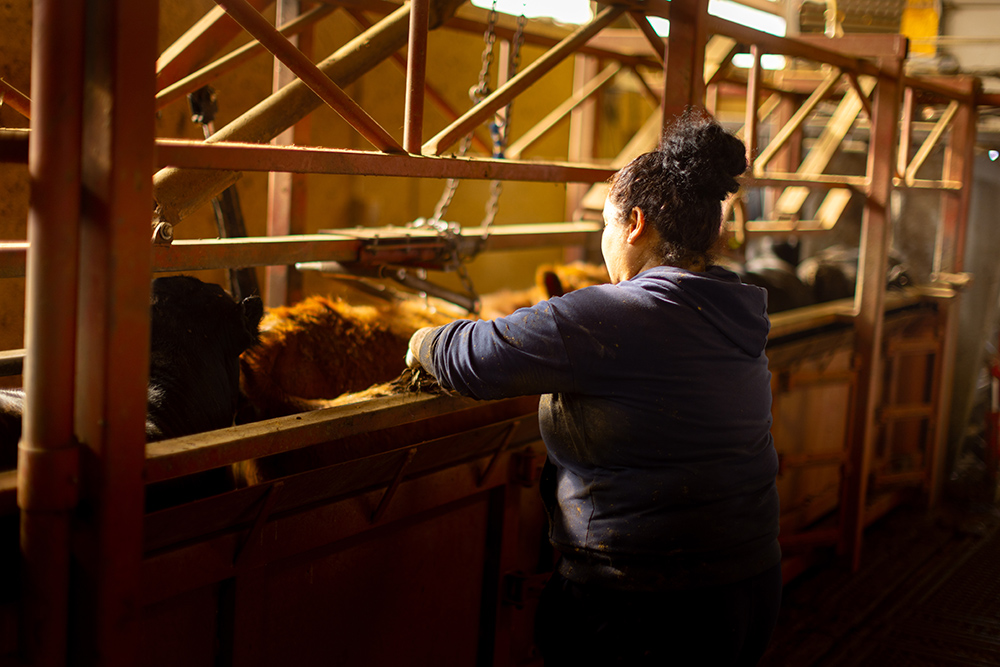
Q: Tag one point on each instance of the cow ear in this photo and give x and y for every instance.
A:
(253, 311)
(553, 286)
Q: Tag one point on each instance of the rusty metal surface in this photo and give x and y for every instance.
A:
(233, 59)
(194, 255)
(197, 45)
(257, 157)
(48, 462)
(113, 339)
(447, 137)
(310, 74)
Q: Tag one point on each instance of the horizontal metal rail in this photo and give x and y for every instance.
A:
(261, 157)
(337, 246)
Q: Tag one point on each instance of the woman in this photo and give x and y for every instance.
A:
(656, 416)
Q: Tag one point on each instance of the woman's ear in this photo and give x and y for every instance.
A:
(636, 225)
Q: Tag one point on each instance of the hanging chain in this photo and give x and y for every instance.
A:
(477, 93)
(498, 130)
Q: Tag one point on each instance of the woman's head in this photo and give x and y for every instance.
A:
(678, 189)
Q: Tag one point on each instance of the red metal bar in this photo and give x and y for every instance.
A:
(865, 102)
(951, 88)
(311, 75)
(529, 75)
(949, 256)
(503, 32)
(553, 119)
(113, 337)
(212, 32)
(788, 46)
(415, 77)
(255, 157)
(430, 92)
(583, 127)
(684, 82)
(869, 304)
(654, 98)
(795, 122)
(232, 60)
(48, 458)
(655, 41)
(905, 133)
(286, 192)
(15, 99)
(753, 102)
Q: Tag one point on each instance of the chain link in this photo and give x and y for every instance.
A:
(452, 231)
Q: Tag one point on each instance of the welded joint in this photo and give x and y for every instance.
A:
(390, 490)
(253, 536)
(48, 480)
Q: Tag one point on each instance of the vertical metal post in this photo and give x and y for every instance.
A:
(684, 82)
(905, 132)
(870, 305)
(949, 256)
(48, 457)
(753, 103)
(113, 326)
(582, 134)
(416, 64)
(286, 193)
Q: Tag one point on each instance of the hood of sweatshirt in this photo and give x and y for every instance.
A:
(738, 310)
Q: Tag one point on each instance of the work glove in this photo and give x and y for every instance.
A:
(413, 348)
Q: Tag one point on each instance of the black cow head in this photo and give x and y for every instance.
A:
(197, 335)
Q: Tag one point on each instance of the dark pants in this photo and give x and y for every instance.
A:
(583, 625)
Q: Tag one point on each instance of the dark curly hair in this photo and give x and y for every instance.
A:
(680, 186)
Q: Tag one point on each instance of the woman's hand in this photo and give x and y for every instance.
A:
(413, 348)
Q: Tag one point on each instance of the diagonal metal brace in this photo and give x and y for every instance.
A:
(258, 524)
(390, 490)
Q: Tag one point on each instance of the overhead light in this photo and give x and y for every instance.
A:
(994, 154)
(767, 61)
(735, 12)
(563, 11)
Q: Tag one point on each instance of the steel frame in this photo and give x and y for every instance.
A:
(85, 374)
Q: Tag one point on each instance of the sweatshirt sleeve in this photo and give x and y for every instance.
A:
(521, 354)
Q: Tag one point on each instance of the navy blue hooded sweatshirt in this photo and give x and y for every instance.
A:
(656, 416)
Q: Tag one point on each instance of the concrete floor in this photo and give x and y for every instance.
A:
(928, 593)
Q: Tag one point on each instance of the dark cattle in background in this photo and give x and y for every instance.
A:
(197, 333)
(785, 290)
(832, 273)
(772, 266)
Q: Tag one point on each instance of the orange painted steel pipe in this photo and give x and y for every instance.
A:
(47, 455)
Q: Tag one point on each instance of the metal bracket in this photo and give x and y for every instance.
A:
(258, 524)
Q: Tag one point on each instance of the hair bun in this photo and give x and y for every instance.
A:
(702, 159)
